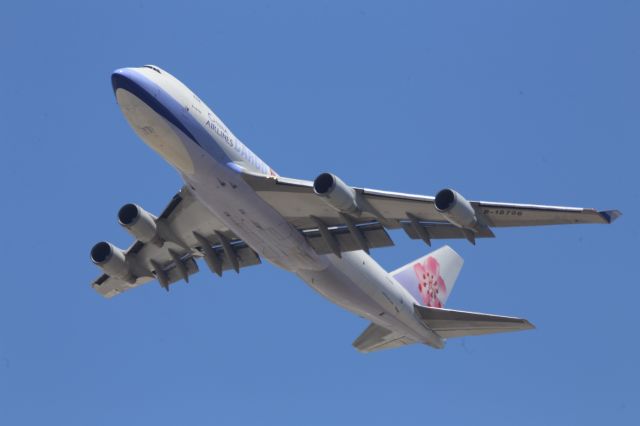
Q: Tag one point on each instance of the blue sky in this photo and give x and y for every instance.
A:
(504, 101)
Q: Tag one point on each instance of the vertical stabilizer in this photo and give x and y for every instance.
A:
(430, 279)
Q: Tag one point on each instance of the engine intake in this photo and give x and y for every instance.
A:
(455, 208)
(138, 222)
(336, 193)
(112, 261)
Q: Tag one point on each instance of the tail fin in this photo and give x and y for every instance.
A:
(430, 279)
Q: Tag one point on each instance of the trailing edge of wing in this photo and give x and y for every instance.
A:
(297, 202)
(111, 286)
(373, 234)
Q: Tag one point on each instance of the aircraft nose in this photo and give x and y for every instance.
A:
(123, 78)
(134, 82)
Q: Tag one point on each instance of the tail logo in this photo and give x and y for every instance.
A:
(431, 286)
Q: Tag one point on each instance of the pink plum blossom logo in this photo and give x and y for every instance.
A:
(430, 284)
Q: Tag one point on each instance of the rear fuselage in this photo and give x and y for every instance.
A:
(184, 131)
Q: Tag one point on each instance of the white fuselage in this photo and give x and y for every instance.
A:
(182, 129)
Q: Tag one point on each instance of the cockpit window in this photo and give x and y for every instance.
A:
(153, 68)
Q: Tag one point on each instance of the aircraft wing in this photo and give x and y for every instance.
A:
(416, 214)
(186, 231)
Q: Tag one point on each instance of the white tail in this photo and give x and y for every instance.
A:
(430, 279)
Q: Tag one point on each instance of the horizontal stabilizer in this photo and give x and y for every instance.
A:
(449, 323)
(376, 338)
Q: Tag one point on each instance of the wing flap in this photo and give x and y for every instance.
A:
(449, 323)
(441, 231)
(373, 233)
(111, 286)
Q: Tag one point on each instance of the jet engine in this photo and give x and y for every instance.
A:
(455, 208)
(138, 222)
(112, 261)
(336, 193)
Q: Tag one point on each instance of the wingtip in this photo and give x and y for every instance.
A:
(610, 215)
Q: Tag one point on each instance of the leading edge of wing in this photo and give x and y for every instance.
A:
(269, 183)
(425, 209)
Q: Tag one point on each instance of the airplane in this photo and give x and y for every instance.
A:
(235, 210)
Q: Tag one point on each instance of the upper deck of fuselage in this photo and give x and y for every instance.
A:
(170, 99)
(147, 80)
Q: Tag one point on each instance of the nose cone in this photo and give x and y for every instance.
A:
(137, 83)
(153, 114)
(127, 79)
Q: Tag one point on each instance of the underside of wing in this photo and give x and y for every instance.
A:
(167, 246)
(330, 201)
(332, 216)
(506, 214)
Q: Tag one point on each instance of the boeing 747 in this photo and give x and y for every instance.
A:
(235, 210)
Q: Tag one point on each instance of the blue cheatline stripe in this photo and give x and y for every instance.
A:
(169, 108)
(120, 81)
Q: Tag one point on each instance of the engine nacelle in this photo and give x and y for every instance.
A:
(112, 261)
(455, 208)
(139, 222)
(336, 193)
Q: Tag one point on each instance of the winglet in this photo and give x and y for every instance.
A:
(610, 215)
